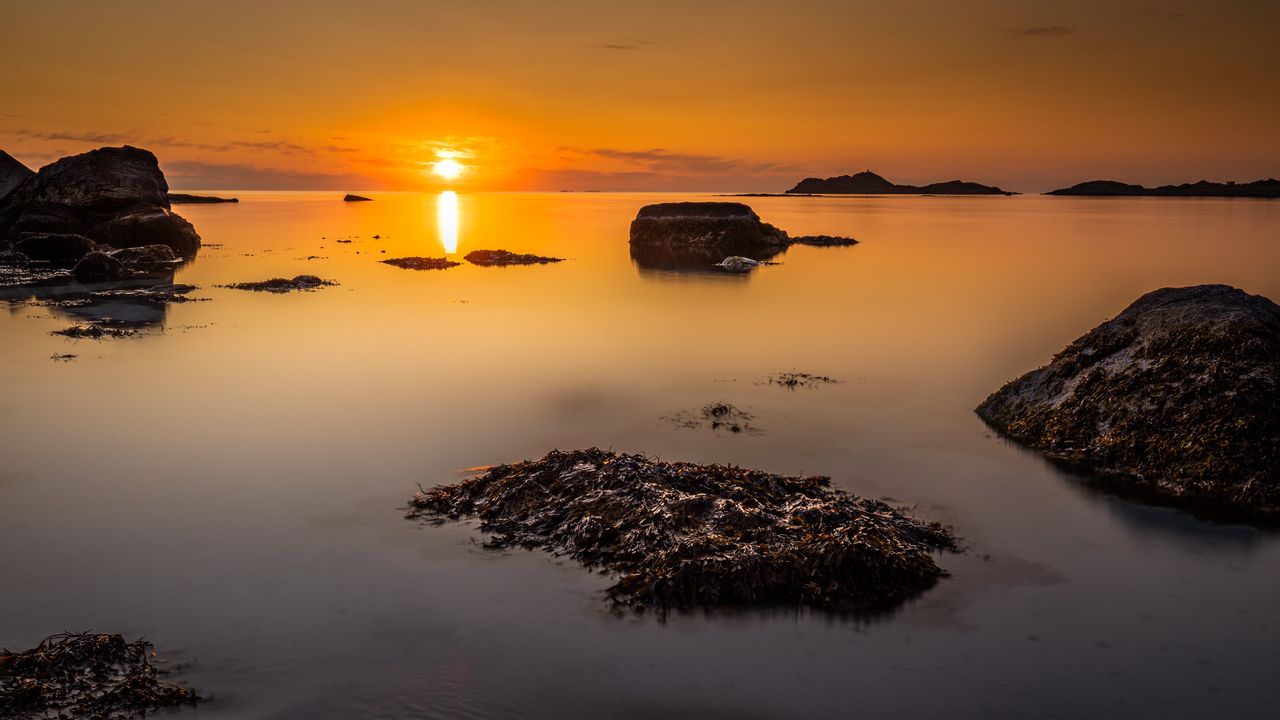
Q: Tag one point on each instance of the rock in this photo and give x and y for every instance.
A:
(1269, 188)
(12, 174)
(735, 263)
(421, 263)
(869, 183)
(185, 199)
(99, 267)
(13, 258)
(283, 285)
(679, 535)
(102, 180)
(823, 240)
(1176, 399)
(147, 258)
(63, 249)
(356, 198)
(506, 257)
(115, 195)
(728, 227)
(149, 226)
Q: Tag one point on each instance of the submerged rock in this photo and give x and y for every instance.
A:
(87, 675)
(680, 535)
(99, 267)
(421, 263)
(61, 249)
(283, 285)
(356, 198)
(114, 195)
(147, 258)
(506, 257)
(1177, 398)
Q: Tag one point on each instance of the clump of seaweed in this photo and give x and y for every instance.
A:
(682, 535)
(94, 332)
(421, 263)
(85, 675)
(506, 257)
(823, 240)
(283, 285)
(793, 380)
(62, 357)
(716, 416)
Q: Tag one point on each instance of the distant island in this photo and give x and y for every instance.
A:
(1269, 188)
(186, 199)
(869, 183)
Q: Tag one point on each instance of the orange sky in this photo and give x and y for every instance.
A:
(648, 95)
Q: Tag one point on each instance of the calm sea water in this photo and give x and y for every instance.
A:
(228, 484)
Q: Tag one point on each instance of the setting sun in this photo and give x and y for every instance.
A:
(448, 168)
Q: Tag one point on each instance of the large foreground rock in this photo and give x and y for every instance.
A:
(12, 173)
(114, 195)
(1178, 397)
(727, 227)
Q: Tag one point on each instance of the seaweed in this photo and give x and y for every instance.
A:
(421, 263)
(282, 285)
(506, 257)
(679, 535)
(793, 380)
(85, 675)
(94, 332)
(716, 416)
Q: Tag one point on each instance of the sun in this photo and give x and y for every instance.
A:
(448, 168)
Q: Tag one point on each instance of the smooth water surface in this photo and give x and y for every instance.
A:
(230, 483)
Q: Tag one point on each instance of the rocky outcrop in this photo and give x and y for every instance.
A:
(1269, 188)
(869, 183)
(99, 267)
(59, 249)
(185, 199)
(1177, 398)
(147, 259)
(356, 198)
(115, 195)
(728, 227)
(12, 173)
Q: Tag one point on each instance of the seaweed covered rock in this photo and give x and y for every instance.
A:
(1177, 398)
(114, 195)
(422, 263)
(283, 285)
(680, 535)
(89, 675)
(489, 258)
(728, 227)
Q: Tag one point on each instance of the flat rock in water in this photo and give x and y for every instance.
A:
(356, 198)
(1176, 399)
(422, 263)
(506, 257)
(680, 535)
(283, 285)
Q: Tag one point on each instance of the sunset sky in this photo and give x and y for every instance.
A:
(655, 95)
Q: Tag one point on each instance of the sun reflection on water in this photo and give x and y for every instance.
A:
(447, 220)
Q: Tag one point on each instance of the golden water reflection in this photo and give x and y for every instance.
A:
(447, 220)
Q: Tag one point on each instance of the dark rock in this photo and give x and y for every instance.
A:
(356, 198)
(730, 228)
(1176, 399)
(185, 199)
(421, 263)
(282, 285)
(115, 195)
(680, 535)
(147, 258)
(13, 258)
(149, 226)
(102, 180)
(695, 260)
(506, 257)
(823, 240)
(12, 174)
(62, 249)
(869, 183)
(1269, 188)
(99, 267)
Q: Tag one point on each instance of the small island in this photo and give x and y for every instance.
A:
(187, 199)
(1269, 188)
(869, 183)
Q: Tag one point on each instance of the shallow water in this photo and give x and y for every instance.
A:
(228, 483)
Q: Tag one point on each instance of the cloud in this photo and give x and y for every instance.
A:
(625, 45)
(77, 137)
(193, 174)
(1042, 31)
(659, 160)
(280, 146)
